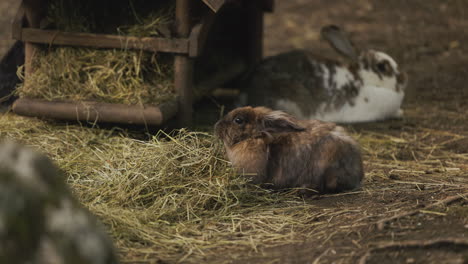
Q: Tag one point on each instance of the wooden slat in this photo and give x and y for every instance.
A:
(215, 5)
(91, 111)
(104, 41)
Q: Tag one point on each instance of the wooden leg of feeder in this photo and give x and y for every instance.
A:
(255, 32)
(183, 66)
(34, 10)
(30, 50)
(184, 84)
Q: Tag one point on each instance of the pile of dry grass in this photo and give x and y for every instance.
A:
(106, 75)
(175, 198)
(173, 195)
(111, 76)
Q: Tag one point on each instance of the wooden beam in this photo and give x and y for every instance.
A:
(96, 112)
(199, 35)
(54, 37)
(215, 5)
(183, 66)
(183, 24)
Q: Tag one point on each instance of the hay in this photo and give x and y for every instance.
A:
(174, 197)
(173, 194)
(110, 75)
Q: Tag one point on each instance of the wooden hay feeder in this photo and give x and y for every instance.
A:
(199, 26)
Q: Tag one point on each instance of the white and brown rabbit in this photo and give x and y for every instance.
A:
(369, 88)
(277, 149)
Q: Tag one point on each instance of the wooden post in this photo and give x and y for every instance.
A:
(255, 31)
(183, 66)
(34, 10)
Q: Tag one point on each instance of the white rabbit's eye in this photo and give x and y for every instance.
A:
(239, 120)
(383, 66)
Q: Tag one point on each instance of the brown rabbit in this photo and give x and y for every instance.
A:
(275, 148)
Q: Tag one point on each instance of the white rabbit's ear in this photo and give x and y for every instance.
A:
(339, 41)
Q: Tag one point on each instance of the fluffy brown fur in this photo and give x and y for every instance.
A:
(275, 148)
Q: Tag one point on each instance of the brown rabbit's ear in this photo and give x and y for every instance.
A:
(338, 39)
(278, 122)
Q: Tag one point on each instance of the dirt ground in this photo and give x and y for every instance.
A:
(424, 160)
(428, 162)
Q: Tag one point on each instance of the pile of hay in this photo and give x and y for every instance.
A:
(106, 75)
(172, 197)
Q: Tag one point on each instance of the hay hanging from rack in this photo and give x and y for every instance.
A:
(111, 76)
(105, 75)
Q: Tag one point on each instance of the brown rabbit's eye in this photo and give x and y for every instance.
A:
(239, 120)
